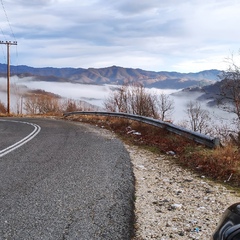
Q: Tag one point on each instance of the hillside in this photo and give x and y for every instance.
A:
(213, 93)
(115, 75)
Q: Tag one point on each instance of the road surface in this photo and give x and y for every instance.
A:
(62, 180)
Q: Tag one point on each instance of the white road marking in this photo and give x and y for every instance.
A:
(18, 144)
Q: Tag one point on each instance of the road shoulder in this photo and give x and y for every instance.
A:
(172, 202)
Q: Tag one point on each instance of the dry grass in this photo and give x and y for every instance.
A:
(7, 115)
(221, 164)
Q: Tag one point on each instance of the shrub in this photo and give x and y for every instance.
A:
(3, 109)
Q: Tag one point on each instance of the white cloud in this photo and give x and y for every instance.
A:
(156, 35)
(216, 62)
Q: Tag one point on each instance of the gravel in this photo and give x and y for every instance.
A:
(172, 202)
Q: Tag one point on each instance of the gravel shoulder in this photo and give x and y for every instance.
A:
(172, 202)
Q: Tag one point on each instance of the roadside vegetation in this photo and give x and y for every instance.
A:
(133, 98)
(3, 109)
(221, 164)
(42, 103)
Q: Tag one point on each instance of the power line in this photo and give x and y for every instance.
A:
(10, 26)
(4, 55)
(11, 29)
(3, 52)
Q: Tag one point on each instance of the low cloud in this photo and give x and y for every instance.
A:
(96, 95)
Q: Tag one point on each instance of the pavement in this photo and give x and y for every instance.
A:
(68, 182)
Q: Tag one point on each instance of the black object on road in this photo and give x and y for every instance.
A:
(229, 226)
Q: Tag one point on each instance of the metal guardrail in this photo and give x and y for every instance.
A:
(195, 136)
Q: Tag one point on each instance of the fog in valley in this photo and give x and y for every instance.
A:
(96, 95)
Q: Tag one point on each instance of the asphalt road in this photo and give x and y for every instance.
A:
(61, 180)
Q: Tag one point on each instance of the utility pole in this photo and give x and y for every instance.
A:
(8, 43)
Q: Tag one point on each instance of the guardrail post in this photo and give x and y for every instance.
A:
(216, 142)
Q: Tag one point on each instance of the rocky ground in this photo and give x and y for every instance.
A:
(173, 203)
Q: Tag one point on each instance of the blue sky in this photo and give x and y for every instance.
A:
(158, 35)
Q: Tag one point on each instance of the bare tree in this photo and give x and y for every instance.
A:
(142, 102)
(70, 105)
(47, 104)
(41, 104)
(229, 96)
(223, 132)
(133, 99)
(165, 106)
(31, 104)
(118, 101)
(199, 118)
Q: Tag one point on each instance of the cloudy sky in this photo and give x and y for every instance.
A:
(158, 35)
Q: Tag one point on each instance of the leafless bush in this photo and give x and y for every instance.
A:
(142, 103)
(199, 118)
(30, 104)
(183, 124)
(118, 101)
(3, 109)
(165, 106)
(41, 104)
(229, 96)
(71, 105)
(135, 99)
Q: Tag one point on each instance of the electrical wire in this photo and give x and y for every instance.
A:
(11, 29)
(10, 26)
(3, 52)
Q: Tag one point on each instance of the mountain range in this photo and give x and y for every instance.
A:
(115, 75)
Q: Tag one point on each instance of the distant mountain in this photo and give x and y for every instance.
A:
(115, 75)
(210, 93)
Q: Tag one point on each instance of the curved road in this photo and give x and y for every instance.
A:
(62, 180)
